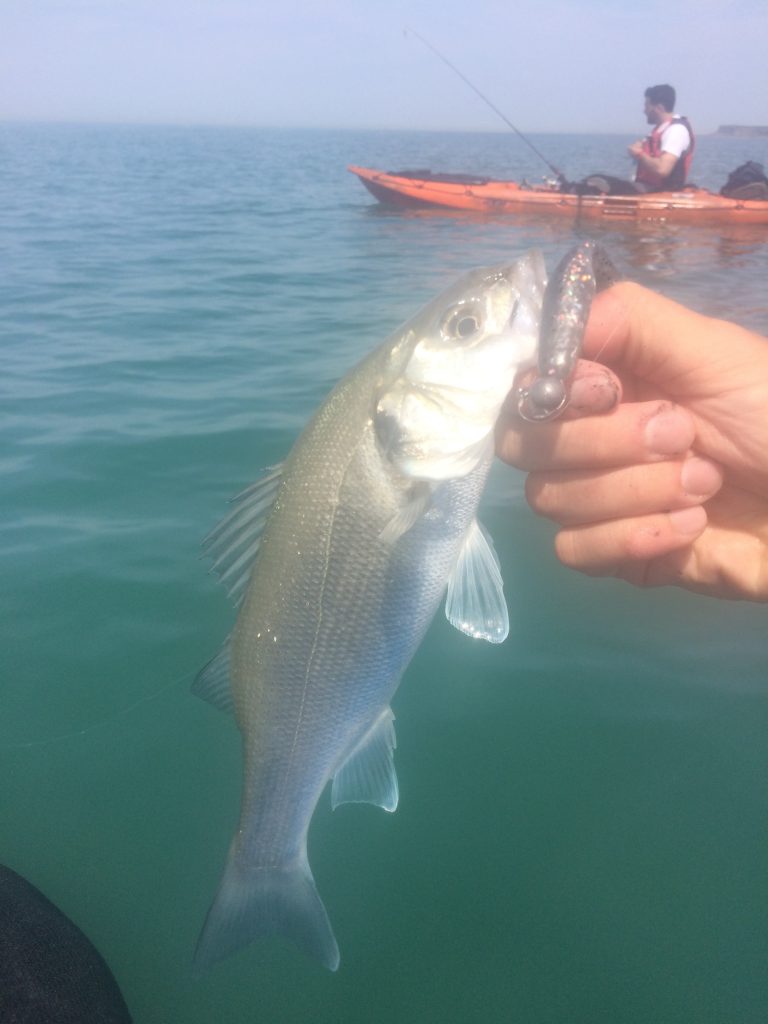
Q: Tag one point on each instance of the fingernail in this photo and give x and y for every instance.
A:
(689, 521)
(669, 432)
(700, 477)
(595, 393)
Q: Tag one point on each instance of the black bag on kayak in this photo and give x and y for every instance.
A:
(747, 182)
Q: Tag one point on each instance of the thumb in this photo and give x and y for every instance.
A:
(660, 341)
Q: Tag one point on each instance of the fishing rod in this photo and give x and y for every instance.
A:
(558, 174)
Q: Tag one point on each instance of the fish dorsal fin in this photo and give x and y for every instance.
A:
(212, 681)
(234, 542)
(367, 775)
(475, 601)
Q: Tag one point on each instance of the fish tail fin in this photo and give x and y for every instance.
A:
(256, 902)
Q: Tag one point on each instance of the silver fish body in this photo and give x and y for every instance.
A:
(370, 520)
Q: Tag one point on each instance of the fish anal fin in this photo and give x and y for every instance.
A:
(475, 602)
(368, 773)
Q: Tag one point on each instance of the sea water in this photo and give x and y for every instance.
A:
(582, 825)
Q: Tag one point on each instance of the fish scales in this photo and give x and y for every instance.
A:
(372, 522)
(321, 609)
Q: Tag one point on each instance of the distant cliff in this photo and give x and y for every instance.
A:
(744, 131)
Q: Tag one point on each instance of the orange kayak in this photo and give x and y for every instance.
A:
(466, 192)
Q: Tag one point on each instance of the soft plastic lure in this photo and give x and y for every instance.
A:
(567, 301)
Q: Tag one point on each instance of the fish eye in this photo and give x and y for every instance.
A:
(461, 323)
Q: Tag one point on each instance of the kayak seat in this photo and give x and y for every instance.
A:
(608, 185)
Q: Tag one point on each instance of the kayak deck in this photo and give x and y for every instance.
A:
(468, 192)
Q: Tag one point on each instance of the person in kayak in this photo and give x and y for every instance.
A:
(664, 157)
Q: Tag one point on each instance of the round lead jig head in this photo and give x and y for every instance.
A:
(543, 400)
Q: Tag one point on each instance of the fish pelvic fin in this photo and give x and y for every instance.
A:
(259, 902)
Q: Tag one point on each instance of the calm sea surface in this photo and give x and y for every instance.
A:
(582, 829)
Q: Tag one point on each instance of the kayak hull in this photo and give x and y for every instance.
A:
(483, 195)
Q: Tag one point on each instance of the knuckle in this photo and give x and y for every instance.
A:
(643, 542)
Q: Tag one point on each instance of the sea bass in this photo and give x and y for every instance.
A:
(339, 560)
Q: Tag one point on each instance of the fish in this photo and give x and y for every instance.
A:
(50, 972)
(581, 273)
(338, 560)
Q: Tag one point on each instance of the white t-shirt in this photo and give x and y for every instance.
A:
(675, 139)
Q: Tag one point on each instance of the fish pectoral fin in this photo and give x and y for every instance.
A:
(212, 681)
(419, 500)
(368, 773)
(475, 601)
(234, 543)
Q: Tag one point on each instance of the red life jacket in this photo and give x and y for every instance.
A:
(652, 147)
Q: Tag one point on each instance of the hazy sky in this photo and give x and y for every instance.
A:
(550, 65)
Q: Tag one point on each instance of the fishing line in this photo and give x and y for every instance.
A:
(61, 737)
(609, 338)
(558, 174)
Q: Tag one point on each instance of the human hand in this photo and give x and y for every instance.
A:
(635, 149)
(670, 486)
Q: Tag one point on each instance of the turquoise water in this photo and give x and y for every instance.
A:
(582, 829)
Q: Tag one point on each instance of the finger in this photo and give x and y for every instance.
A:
(593, 389)
(662, 342)
(634, 433)
(731, 559)
(578, 498)
(626, 547)
(636, 327)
